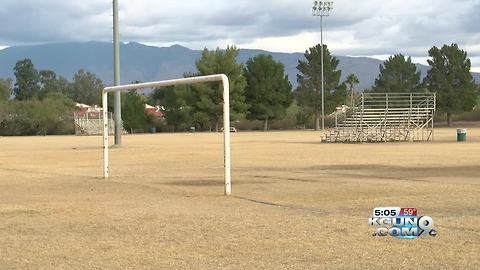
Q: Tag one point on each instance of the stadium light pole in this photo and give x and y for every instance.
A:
(322, 9)
(116, 76)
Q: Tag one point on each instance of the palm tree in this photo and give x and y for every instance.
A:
(351, 81)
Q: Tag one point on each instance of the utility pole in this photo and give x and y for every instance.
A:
(116, 76)
(321, 9)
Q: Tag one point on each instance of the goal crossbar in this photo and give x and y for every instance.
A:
(185, 81)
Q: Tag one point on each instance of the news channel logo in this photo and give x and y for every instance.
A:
(401, 223)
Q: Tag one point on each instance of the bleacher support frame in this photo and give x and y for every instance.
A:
(90, 124)
(385, 117)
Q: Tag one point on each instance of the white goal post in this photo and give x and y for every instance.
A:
(202, 79)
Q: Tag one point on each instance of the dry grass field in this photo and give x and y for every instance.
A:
(297, 204)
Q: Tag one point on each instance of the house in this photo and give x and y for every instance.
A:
(84, 110)
(154, 111)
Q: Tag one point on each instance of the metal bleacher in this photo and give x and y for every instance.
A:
(385, 117)
(91, 124)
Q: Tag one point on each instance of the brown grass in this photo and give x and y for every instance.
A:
(297, 204)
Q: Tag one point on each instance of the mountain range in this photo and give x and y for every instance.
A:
(149, 63)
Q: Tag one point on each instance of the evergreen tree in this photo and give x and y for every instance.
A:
(308, 94)
(133, 111)
(397, 75)
(268, 93)
(27, 80)
(208, 98)
(302, 118)
(175, 102)
(449, 76)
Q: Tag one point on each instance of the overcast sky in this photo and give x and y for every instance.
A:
(359, 28)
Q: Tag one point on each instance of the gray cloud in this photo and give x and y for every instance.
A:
(373, 27)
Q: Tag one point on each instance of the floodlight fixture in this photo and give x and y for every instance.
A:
(322, 8)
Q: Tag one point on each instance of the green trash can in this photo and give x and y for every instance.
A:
(461, 135)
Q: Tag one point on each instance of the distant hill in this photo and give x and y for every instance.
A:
(147, 63)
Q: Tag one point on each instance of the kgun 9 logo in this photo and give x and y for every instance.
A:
(401, 223)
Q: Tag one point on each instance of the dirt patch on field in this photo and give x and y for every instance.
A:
(297, 204)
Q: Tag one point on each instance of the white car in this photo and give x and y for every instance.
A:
(232, 129)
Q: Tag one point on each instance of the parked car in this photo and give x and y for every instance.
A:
(232, 129)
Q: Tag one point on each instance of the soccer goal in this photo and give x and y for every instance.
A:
(185, 81)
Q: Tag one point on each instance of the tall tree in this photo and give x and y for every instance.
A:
(478, 96)
(64, 86)
(397, 75)
(351, 81)
(5, 89)
(308, 94)
(86, 88)
(48, 79)
(268, 93)
(175, 101)
(207, 98)
(449, 76)
(302, 118)
(49, 83)
(133, 111)
(27, 80)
